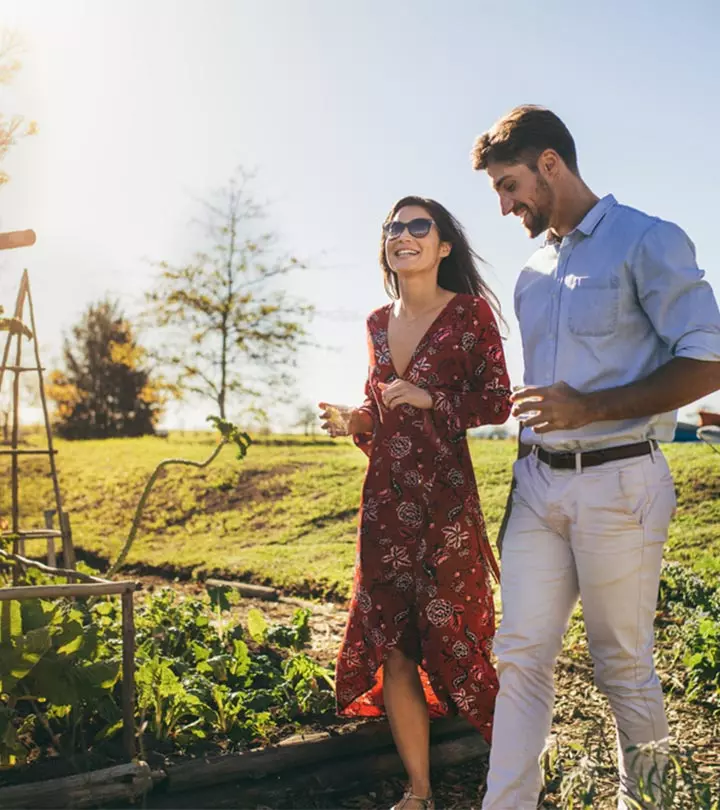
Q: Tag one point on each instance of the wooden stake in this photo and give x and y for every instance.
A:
(64, 591)
(52, 560)
(244, 588)
(67, 544)
(16, 239)
(13, 452)
(94, 789)
(46, 417)
(50, 569)
(19, 305)
(346, 763)
(128, 691)
(305, 753)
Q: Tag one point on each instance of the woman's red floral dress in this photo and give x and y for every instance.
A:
(423, 558)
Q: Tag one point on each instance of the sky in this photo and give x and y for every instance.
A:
(145, 107)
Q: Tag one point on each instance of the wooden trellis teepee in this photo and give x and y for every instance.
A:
(79, 583)
(19, 329)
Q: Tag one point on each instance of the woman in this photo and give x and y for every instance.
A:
(421, 618)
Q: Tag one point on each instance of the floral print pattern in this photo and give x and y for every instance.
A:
(424, 561)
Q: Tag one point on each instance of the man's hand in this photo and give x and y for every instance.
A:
(402, 392)
(553, 407)
(679, 382)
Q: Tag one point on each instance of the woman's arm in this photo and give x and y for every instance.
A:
(485, 395)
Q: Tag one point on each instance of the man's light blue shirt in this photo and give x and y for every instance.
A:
(606, 305)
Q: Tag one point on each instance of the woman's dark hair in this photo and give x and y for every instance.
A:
(458, 271)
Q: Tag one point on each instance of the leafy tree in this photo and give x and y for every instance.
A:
(29, 396)
(106, 389)
(232, 331)
(14, 127)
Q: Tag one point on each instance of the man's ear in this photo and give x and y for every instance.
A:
(549, 163)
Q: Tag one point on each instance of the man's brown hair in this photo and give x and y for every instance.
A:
(522, 136)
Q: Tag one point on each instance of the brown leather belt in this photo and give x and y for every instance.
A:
(591, 458)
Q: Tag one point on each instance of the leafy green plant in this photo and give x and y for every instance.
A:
(304, 680)
(201, 677)
(576, 773)
(167, 707)
(295, 635)
(691, 609)
(55, 667)
(672, 781)
(583, 775)
(680, 586)
(575, 769)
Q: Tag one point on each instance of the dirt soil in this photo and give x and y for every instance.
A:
(581, 718)
(252, 485)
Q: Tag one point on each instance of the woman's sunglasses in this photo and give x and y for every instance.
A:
(416, 227)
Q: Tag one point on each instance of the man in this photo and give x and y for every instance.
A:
(618, 330)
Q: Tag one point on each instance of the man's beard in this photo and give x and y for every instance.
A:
(538, 222)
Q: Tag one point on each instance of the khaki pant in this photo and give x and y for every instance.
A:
(597, 534)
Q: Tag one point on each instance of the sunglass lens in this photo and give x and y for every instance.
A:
(393, 229)
(419, 227)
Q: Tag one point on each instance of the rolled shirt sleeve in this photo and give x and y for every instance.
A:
(674, 294)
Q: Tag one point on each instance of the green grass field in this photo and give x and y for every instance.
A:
(287, 514)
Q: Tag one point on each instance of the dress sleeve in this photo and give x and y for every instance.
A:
(483, 396)
(369, 406)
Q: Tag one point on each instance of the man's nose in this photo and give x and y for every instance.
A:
(506, 205)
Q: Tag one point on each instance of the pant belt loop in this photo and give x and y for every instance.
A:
(578, 463)
(652, 450)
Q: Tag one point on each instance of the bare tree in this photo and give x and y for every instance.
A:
(29, 397)
(231, 331)
(307, 419)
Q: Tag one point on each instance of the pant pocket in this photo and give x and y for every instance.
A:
(648, 493)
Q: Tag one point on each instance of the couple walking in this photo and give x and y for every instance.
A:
(619, 330)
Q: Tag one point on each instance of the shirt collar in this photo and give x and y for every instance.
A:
(589, 222)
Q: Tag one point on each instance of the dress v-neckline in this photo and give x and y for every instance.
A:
(420, 344)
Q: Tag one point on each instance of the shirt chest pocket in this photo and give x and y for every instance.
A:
(593, 305)
(533, 307)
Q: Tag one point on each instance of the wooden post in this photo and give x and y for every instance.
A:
(125, 590)
(51, 558)
(67, 544)
(245, 589)
(46, 417)
(101, 588)
(120, 785)
(14, 471)
(128, 691)
(5, 621)
(16, 239)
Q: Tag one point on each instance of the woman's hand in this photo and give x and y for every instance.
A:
(343, 420)
(402, 392)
